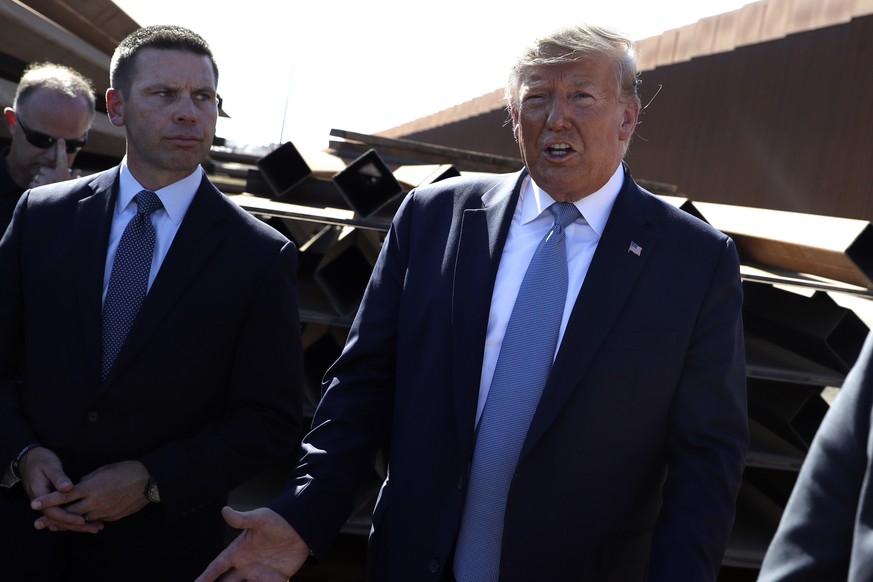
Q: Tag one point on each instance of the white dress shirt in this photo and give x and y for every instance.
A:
(176, 198)
(530, 223)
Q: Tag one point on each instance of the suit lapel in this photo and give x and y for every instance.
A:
(482, 236)
(93, 214)
(199, 235)
(613, 273)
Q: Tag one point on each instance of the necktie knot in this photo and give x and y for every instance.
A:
(147, 202)
(564, 213)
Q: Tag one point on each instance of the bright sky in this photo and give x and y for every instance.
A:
(291, 71)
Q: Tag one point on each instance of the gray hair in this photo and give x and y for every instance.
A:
(54, 77)
(571, 44)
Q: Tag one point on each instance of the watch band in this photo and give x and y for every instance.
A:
(20, 457)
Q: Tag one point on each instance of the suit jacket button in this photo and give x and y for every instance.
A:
(461, 483)
(92, 416)
(434, 566)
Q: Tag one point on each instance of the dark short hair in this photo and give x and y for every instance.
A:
(161, 36)
(55, 77)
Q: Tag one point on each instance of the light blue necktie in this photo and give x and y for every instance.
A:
(129, 279)
(523, 367)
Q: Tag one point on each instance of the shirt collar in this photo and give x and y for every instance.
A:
(176, 197)
(595, 208)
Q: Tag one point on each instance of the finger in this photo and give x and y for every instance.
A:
(54, 499)
(60, 515)
(218, 569)
(59, 479)
(63, 162)
(60, 518)
(44, 522)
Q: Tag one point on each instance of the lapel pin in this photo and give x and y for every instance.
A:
(635, 248)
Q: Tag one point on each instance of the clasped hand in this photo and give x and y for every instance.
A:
(106, 494)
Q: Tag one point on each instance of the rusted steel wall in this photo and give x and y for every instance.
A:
(785, 124)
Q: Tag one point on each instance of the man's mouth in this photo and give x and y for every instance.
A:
(559, 150)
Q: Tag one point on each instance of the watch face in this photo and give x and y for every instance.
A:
(154, 495)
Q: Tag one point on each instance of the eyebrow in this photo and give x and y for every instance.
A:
(538, 81)
(176, 88)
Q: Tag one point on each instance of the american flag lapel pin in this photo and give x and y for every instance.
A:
(635, 248)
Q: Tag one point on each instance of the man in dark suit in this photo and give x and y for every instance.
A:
(825, 531)
(632, 460)
(119, 446)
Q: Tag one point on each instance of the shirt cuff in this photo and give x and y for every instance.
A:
(9, 478)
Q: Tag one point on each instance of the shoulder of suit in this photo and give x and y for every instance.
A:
(71, 191)
(465, 186)
(253, 225)
(680, 219)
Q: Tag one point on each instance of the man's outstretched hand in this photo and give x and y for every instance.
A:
(268, 549)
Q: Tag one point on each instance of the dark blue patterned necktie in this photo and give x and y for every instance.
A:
(522, 369)
(129, 279)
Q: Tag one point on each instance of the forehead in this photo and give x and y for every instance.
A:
(48, 110)
(172, 67)
(597, 72)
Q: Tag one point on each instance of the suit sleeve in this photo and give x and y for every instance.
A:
(353, 419)
(814, 540)
(15, 431)
(707, 436)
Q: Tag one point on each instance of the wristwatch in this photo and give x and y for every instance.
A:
(151, 491)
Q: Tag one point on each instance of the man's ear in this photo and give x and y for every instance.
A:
(9, 116)
(629, 120)
(115, 107)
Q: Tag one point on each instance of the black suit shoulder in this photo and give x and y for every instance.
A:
(249, 225)
(462, 188)
(679, 218)
(69, 192)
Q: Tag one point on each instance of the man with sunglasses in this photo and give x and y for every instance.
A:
(49, 122)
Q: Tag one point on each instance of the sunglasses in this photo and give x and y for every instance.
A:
(44, 141)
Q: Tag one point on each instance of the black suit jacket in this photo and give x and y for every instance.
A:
(826, 531)
(634, 457)
(205, 391)
(9, 191)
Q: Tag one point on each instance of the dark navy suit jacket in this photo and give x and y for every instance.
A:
(634, 457)
(205, 391)
(825, 532)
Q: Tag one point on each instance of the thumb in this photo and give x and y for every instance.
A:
(47, 463)
(59, 479)
(236, 519)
